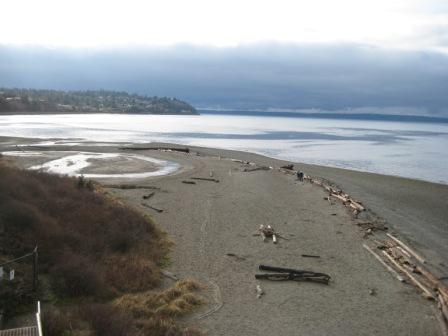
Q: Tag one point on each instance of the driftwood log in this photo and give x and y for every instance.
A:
(153, 208)
(426, 292)
(288, 167)
(205, 179)
(129, 186)
(390, 269)
(407, 248)
(149, 195)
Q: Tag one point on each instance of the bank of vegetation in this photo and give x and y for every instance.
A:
(99, 260)
(90, 101)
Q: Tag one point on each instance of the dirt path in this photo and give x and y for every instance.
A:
(212, 225)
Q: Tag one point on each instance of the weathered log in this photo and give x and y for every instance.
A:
(426, 292)
(443, 306)
(149, 195)
(443, 322)
(205, 179)
(256, 168)
(356, 205)
(169, 275)
(290, 270)
(189, 182)
(403, 251)
(151, 207)
(407, 248)
(129, 186)
(390, 269)
(437, 284)
(288, 167)
(310, 256)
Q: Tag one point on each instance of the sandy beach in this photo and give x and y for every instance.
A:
(214, 227)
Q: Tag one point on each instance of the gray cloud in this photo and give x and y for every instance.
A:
(328, 77)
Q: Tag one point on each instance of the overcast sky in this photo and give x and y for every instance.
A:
(291, 54)
(415, 24)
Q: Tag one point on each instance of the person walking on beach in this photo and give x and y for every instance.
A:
(300, 176)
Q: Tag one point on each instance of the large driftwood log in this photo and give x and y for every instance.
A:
(426, 292)
(390, 269)
(205, 179)
(443, 306)
(129, 186)
(443, 324)
(407, 248)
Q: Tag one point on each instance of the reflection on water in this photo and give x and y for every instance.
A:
(416, 150)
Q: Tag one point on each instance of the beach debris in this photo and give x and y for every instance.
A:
(189, 182)
(260, 291)
(268, 232)
(148, 196)
(284, 274)
(129, 186)
(256, 168)
(426, 292)
(288, 167)
(169, 275)
(205, 179)
(310, 256)
(211, 173)
(153, 208)
(407, 248)
(443, 321)
(354, 205)
(235, 256)
(406, 261)
(327, 198)
(390, 269)
(372, 226)
(163, 149)
(443, 306)
(372, 291)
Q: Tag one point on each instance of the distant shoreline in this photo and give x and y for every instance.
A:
(11, 113)
(327, 115)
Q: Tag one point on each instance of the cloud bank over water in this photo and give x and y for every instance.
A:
(256, 76)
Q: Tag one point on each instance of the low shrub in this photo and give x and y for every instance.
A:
(106, 320)
(57, 323)
(89, 243)
(74, 276)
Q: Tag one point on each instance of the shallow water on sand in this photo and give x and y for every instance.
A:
(416, 150)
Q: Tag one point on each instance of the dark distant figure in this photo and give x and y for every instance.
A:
(300, 176)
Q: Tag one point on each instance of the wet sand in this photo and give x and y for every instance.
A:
(213, 225)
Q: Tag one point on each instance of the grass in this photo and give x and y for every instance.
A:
(176, 301)
(101, 257)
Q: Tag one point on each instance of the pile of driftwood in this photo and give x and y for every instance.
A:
(355, 206)
(408, 266)
(268, 232)
(333, 192)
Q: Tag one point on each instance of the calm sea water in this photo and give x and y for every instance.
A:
(409, 149)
